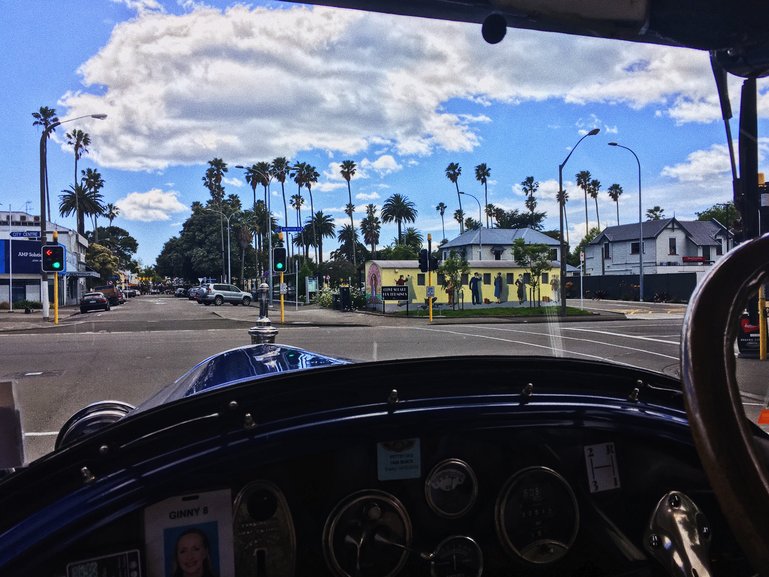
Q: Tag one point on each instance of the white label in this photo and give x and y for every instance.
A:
(399, 459)
(602, 472)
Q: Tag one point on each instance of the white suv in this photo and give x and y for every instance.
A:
(219, 294)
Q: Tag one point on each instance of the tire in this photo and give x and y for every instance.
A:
(106, 308)
(218, 300)
(246, 301)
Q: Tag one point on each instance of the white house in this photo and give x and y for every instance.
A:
(669, 246)
(497, 243)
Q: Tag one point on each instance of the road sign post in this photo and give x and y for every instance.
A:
(395, 293)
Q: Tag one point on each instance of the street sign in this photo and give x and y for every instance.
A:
(26, 234)
(290, 229)
(283, 288)
(395, 293)
(430, 291)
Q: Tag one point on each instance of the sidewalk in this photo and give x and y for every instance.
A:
(19, 320)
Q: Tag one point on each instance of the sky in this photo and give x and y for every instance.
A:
(183, 82)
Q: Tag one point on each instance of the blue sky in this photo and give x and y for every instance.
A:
(184, 82)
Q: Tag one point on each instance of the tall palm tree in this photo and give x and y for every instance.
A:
(530, 186)
(348, 238)
(111, 212)
(655, 213)
(482, 174)
(324, 227)
(297, 200)
(46, 117)
(77, 197)
(398, 208)
(347, 169)
(93, 182)
(213, 182)
(583, 181)
(80, 141)
(615, 191)
(311, 176)
(441, 208)
(370, 227)
(413, 238)
(490, 209)
(459, 216)
(453, 170)
(595, 186)
(279, 169)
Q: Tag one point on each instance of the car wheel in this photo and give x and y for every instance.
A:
(106, 308)
(218, 300)
(246, 301)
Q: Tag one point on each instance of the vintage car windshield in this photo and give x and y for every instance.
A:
(410, 172)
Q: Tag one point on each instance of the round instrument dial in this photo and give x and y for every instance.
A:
(368, 534)
(457, 556)
(537, 515)
(451, 488)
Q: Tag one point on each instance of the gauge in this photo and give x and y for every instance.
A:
(368, 534)
(451, 488)
(537, 515)
(457, 556)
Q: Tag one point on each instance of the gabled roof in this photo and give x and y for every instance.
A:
(499, 236)
(700, 232)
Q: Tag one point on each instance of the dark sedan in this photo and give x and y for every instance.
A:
(93, 301)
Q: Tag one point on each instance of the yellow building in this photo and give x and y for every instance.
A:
(406, 273)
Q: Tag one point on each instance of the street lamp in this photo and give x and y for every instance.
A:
(43, 179)
(640, 227)
(562, 209)
(229, 252)
(480, 223)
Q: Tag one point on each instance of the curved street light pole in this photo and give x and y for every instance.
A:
(480, 223)
(640, 226)
(43, 179)
(562, 209)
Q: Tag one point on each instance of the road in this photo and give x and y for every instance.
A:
(133, 350)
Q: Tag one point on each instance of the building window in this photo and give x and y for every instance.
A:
(634, 247)
(509, 278)
(487, 278)
(719, 247)
(441, 279)
(463, 279)
(545, 278)
(420, 279)
(553, 254)
(606, 253)
(497, 255)
(672, 246)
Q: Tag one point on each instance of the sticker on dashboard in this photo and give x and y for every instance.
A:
(602, 471)
(399, 459)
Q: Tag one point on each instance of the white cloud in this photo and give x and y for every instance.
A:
(257, 82)
(384, 165)
(367, 196)
(153, 205)
(701, 165)
(141, 6)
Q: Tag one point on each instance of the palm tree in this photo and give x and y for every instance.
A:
(93, 182)
(583, 181)
(615, 191)
(297, 200)
(441, 208)
(213, 182)
(348, 238)
(655, 213)
(311, 175)
(398, 208)
(592, 190)
(259, 174)
(279, 169)
(46, 117)
(80, 141)
(111, 212)
(530, 186)
(413, 238)
(490, 209)
(459, 216)
(482, 174)
(347, 169)
(323, 226)
(78, 197)
(453, 170)
(370, 227)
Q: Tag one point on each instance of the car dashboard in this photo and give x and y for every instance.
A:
(518, 467)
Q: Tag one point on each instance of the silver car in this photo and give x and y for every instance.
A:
(219, 293)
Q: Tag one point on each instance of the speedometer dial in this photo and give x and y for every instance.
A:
(457, 556)
(451, 488)
(537, 515)
(368, 534)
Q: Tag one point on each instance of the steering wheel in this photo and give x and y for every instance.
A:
(734, 464)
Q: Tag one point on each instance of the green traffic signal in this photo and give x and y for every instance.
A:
(279, 259)
(53, 258)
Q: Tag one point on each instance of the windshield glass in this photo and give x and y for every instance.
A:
(380, 186)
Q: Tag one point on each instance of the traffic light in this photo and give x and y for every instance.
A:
(54, 258)
(279, 259)
(423, 260)
(433, 263)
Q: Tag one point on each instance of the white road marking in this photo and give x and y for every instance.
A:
(623, 335)
(41, 434)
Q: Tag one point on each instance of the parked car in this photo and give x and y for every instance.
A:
(93, 301)
(219, 293)
(192, 294)
(180, 292)
(114, 295)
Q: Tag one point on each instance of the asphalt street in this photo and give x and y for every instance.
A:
(133, 350)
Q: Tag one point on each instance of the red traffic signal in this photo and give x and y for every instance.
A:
(54, 258)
